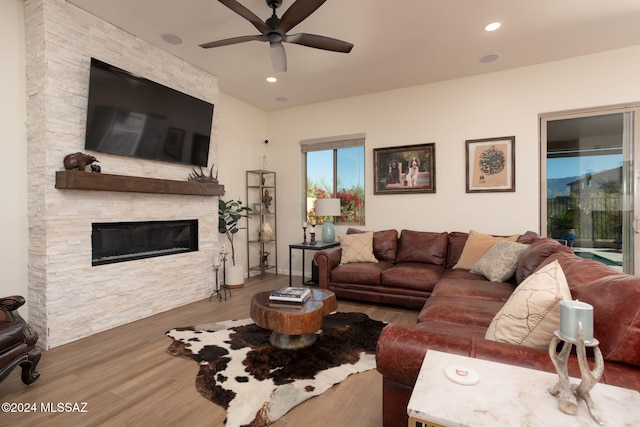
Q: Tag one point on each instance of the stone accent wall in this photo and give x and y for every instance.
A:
(68, 298)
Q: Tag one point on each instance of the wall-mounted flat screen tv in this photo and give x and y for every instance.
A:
(132, 116)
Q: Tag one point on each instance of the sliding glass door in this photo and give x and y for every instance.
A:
(589, 183)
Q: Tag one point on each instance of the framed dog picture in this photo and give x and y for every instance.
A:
(405, 169)
(491, 164)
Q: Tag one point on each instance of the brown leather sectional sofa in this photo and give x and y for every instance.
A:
(457, 307)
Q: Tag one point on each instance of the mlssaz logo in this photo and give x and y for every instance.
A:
(63, 407)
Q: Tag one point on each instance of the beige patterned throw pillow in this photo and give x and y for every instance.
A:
(477, 245)
(357, 248)
(532, 313)
(500, 262)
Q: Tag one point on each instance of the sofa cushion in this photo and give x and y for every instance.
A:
(450, 273)
(357, 248)
(467, 311)
(451, 329)
(528, 237)
(412, 275)
(616, 315)
(500, 262)
(535, 254)
(532, 313)
(366, 273)
(580, 271)
(422, 246)
(385, 243)
(477, 245)
(455, 246)
(469, 288)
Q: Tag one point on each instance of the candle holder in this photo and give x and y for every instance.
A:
(313, 236)
(220, 290)
(216, 291)
(304, 233)
(567, 393)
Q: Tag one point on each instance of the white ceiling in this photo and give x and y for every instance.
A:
(398, 43)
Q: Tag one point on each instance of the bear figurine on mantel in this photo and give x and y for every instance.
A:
(80, 161)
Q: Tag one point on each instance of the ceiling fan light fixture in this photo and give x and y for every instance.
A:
(493, 26)
(274, 30)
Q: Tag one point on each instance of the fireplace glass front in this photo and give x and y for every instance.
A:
(113, 242)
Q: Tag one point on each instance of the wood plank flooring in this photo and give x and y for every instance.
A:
(126, 377)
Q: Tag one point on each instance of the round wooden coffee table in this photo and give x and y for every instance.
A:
(294, 326)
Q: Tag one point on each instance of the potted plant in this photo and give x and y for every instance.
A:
(563, 226)
(229, 215)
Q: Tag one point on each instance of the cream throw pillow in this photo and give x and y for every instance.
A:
(477, 245)
(532, 313)
(357, 248)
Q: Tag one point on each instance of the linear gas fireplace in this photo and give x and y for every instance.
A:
(113, 242)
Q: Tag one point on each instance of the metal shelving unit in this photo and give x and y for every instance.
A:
(262, 254)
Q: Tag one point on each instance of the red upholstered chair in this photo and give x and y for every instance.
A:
(17, 341)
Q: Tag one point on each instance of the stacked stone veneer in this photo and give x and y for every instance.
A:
(68, 298)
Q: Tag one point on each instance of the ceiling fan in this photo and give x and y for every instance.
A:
(274, 30)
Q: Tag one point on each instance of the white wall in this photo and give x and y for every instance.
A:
(448, 113)
(13, 169)
(241, 147)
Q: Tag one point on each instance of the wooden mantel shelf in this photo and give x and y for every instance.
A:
(78, 180)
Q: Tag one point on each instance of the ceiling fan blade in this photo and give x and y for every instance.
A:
(234, 40)
(246, 14)
(297, 13)
(319, 42)
(278, 57)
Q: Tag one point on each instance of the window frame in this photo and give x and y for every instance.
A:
(334, 143)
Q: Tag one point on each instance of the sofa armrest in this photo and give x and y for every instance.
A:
(401, 350)
(327, 260)
(12, 303)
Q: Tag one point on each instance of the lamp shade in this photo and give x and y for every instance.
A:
(327, 207)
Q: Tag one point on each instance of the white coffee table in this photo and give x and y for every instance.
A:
(507, 395)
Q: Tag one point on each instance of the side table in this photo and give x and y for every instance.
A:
(506, 395)
(304, 247)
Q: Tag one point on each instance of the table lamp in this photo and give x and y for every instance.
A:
(329, 208)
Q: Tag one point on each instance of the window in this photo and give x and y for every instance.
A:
(588, 195)
(334, 167)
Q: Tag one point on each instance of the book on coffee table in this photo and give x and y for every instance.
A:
(290, 294)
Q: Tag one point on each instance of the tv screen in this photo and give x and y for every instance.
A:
(132, 116)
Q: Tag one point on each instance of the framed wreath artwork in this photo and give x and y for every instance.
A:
(491, 165)
(405, 169)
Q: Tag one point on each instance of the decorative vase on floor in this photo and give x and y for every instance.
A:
(235, 276)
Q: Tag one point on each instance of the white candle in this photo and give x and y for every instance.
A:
(216, 261)
(573, 312)
(313, 222)
(304, 224)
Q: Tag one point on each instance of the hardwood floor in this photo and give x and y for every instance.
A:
(126, 377)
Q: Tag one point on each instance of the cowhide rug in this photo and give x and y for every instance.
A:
(257, 383)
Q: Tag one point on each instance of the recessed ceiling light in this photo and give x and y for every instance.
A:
(272, 79)
(172, 38)
(492, 26)
(282, 99)
(490, 58)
